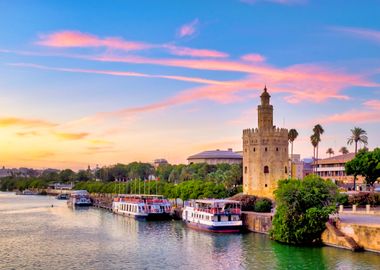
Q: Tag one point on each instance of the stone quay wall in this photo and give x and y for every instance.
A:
(257, 222)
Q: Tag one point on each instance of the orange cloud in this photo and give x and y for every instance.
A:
(23, 122)
(71, 136)
(188, 29)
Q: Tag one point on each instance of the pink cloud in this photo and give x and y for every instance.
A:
(79, 39)
(253, 57)
(188, 29)
(360, 32)
(123, 73)
(184, 51)
(369, 113)
(76, 39)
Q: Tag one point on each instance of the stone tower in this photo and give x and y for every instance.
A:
(265, 153)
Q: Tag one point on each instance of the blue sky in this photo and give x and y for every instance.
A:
(100, 82)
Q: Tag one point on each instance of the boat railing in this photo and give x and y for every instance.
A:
(236, 211)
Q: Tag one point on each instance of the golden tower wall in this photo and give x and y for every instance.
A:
(265, 153)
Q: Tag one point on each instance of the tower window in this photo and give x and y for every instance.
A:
(266, 185)
(286, 169)
(266, 169)
(254, 149)
(266, 149)
(277, 149)
(245, 169)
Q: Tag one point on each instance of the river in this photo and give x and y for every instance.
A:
(35, 235)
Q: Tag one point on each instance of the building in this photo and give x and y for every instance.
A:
(307, 166)
(297, 166)
(159, 161)
(216, 157)
(265, 153)
(333, 168)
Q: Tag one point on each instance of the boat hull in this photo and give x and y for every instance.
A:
(215, 229)
(148, 217)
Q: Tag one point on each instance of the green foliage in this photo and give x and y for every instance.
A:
(10, 183)
(342, 198)
(367, 164)
(303, 207)
(263, 205)
(193, 189)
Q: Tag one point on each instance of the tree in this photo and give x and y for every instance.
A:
(344, 150)
(292, 135)
(318, 131)
(303, 208)
(358, 135)
(367, 164)
(314, 143)
(83, 176)
(330, 151)
(66, 175)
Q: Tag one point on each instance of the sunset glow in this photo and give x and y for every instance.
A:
(79, 87)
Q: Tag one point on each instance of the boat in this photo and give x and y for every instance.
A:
(26, 192)
(62, 196)
(142, 206)
(213, 215)
(79, 198)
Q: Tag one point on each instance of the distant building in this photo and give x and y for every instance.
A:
(297, 166)
(307, 166)
(5, 172)
(160, 161)
(216, 157)
(333, 168)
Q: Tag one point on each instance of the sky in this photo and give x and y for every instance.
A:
(104, 82)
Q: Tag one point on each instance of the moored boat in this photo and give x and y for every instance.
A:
(62, 196)
(143, 207)
(79, 198)
(214, 215)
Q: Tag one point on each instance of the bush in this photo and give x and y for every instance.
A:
(364, 198)
(342, 199)
(263, 205)
(303, 208)
(247, 201)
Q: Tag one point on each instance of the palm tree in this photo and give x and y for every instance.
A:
(330, 152)
(318, 131)
(314, 143)
(292, 135)
(358, 135)
(344, 150)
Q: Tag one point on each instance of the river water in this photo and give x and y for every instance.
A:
(34, 235)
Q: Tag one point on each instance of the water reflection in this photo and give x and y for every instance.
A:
(36, 236)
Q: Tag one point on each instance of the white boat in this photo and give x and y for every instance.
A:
(214, 215)
(144, 207)
(79, 198)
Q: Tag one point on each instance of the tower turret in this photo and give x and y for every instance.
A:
(265, 111)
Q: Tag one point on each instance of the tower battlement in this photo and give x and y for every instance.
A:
(274, 130)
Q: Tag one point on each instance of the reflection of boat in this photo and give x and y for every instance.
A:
(79, 198)
(139, 206)
(223, 216)
(63, 196)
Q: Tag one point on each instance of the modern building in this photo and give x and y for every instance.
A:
(216, 157)
(333, 168)
(307, 166)
(265, 153)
